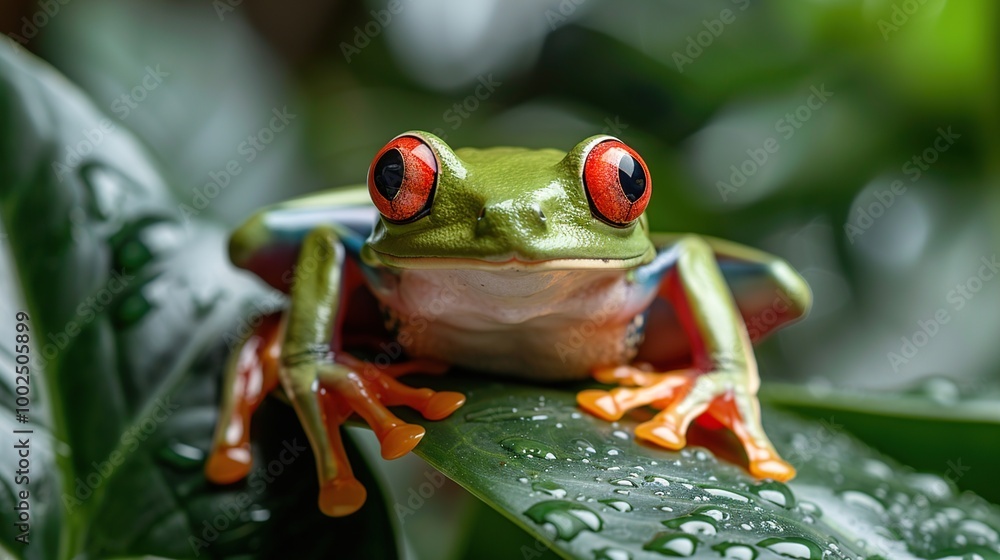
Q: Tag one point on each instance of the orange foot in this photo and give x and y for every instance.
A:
(341, 389)
(682, 396)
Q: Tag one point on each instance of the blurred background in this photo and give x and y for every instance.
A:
(858, 139)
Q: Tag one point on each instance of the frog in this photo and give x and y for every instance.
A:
(505, 261)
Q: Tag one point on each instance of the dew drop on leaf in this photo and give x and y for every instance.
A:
(529, 448)
(608, 553)
(672, 544)
(735, 551)
(793, 547)
(550, 488)
(620, 505)
(775, 492)
(694, 524)
(568, 518)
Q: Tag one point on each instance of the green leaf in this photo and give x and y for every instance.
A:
(587, 489)
(131, 307)
(935, 426)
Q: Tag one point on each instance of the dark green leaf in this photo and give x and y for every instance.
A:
(934, 427)
(586, 488)
(131, 308)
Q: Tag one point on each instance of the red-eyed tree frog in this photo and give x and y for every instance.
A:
(490, 259)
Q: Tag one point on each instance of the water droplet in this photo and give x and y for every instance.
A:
(775, 492)
(941, 390)
(620, 434)
(715, 514)
(723, 493)
(613, 452)
(793, 547)
(528, 448)
(258, 514)
(862, 500)
(694, 524)
(182, 455)
(735, 551)
(810, 508)
(620, 505)
(659, 480)
(608, 553)
(934, 486)
(625, 482)
(878, 469)
(672, 544)
(978, 529)
(550, 488)
(568, 518)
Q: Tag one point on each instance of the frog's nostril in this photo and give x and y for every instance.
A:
(538, 210)
(482, 214)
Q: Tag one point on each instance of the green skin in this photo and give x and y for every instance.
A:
(517, 186)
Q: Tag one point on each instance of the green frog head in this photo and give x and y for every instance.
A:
(509, 207)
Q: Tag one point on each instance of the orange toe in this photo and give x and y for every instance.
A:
(661, 435)
(401, 440)
(442, 404)
(342, 496)
(774, 468)
(228, 464)
(599, 403)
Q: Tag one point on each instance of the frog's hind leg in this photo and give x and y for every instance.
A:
(251, 373)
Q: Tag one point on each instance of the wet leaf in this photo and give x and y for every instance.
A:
(130, 309)
(588, 490)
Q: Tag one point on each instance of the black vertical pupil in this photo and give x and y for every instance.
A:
(388, 174)
(631, 177)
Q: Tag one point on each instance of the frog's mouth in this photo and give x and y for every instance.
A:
(511, 262)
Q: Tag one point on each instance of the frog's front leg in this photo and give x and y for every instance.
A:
(327, 385)
(723, 379)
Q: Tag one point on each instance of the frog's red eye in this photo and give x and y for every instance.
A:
(402, 178)
(617, 183)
